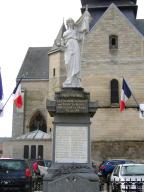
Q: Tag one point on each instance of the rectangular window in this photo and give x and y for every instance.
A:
(40, 151)
(33, 152)
(26, 151)
(113, 42)
(54, 72)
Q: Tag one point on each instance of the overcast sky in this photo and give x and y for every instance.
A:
(30, 23)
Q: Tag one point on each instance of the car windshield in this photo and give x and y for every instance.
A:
(11, 165)
(132, 170)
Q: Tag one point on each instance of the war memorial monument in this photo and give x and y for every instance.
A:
(72, 109)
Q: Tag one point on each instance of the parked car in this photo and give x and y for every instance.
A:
(127, 177)
(15, 175)
(107, 166)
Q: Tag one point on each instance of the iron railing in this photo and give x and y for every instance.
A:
(123, 186)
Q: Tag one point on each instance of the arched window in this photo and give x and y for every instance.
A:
(38, 122)
(114, 91)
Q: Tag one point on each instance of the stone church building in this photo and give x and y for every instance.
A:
(112, 49)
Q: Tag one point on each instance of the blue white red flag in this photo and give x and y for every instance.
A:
(1, 88)
(125, 95)
(18, 101)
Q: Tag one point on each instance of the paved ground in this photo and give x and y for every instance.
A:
(104, 189)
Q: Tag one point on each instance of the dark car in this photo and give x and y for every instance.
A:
(107, 166)
(15, 175)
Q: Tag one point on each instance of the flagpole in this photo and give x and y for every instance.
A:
(6, 102)
(135, 99)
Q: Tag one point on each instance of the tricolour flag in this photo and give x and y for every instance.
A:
(1, 87)
(18, 101)
(125, 95)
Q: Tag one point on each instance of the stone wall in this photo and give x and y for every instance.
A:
(133, 150)
(100, 66)
(15, 148)
(100, 150)
(56, 61)
(35, 95)
(111, 124)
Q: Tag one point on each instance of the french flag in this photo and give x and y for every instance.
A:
(18, 100)
(18, 97)
(125, 95)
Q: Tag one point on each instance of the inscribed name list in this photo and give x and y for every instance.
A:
(71, 144)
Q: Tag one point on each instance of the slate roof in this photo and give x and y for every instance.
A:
(35, 64)
(37, 134)
(108, 2)
(140, 25)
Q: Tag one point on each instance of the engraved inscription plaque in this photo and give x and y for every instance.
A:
(71, 144)
(72, 106)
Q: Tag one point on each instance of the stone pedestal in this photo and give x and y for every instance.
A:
(71, 169)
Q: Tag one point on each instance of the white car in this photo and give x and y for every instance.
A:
(127, 177)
